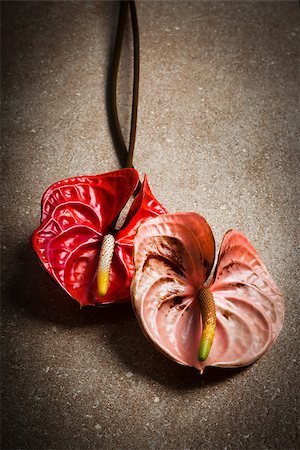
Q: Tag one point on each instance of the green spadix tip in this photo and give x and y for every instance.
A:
(204, 349)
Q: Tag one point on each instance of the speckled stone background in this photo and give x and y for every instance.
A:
(217, 134)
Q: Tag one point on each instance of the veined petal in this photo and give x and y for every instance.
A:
(144, 207)
(173, 256)
(76, 213)
(185, 238)
(104, 194)
(248, 303)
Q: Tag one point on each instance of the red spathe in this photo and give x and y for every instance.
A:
(76, 214)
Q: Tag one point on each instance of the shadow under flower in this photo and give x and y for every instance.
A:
(37, 295)
(140, 356)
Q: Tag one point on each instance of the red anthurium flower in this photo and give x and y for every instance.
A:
(76, 215)
(230, 321)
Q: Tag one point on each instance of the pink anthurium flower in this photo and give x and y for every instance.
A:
(77, 213)
(230, 321)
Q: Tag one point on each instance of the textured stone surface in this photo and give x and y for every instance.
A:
(216, 134)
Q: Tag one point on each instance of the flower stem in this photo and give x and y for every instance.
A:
(125, 155)
(136, 76)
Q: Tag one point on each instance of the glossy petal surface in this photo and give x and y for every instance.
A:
(103, 196)
(250, 308)
(144, 207)
(173, 255)
(76, 214)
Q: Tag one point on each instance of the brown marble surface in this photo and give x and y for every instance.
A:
(217, 134)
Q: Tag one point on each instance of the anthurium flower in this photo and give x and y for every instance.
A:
(230, 321)
(77, 213)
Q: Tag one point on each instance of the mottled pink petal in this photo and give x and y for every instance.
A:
(190, 245)
(249, 305)
(173, 255)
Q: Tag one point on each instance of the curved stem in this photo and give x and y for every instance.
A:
(125, 157)
(112, 85)
(136, 76)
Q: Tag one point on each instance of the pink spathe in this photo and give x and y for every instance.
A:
(174, 255)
